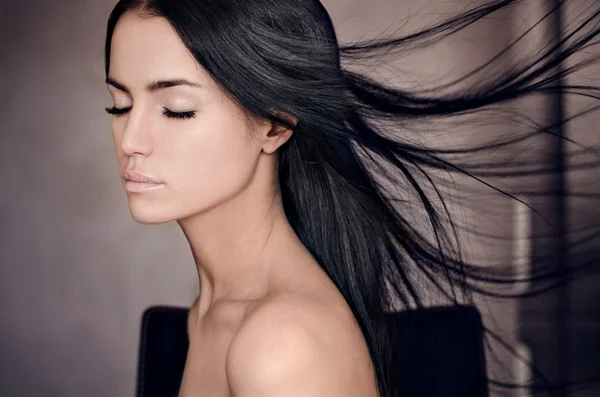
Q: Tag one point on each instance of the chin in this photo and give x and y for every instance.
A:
(149, 215)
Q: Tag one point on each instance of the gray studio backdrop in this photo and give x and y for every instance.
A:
(76, 271)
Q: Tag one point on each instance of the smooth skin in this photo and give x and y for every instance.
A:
(268, 321)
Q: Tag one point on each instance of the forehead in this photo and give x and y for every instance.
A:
(144, 49)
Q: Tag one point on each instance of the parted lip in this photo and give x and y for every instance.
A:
(137, 176)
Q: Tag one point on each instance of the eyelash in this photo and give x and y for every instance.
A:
(172, 115)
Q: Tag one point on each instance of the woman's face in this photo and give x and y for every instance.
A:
(201, 160)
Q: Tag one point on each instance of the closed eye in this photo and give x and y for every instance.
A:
(117, 111)
(170, 114)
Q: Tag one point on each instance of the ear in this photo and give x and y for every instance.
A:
(273, 135)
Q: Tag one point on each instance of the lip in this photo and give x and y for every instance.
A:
(137, 182)
(138, 187)
(137, 176)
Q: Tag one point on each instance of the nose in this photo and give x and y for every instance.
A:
(136, 136)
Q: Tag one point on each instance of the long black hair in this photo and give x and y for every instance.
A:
(352, 188)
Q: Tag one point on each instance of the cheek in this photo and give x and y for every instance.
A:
(212, 160)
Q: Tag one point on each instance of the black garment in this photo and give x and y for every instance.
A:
(439, 352)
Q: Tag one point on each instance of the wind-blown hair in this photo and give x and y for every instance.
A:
(279, 58)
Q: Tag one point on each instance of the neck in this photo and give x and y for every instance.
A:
(238, 252)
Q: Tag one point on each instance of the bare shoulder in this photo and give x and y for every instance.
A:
(294, 345)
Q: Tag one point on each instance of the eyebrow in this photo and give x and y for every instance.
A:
(155, 85)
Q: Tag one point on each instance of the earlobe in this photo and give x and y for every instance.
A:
(278, 134)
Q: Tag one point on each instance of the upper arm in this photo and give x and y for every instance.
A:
(276, 354)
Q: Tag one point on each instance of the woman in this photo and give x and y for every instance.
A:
(237, 120)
